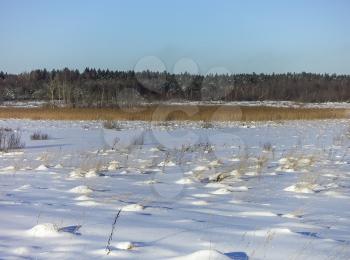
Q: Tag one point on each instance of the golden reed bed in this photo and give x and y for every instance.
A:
(177, 112)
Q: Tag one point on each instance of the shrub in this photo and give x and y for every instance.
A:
(10, 139)
(267, 147)
(138, 140)
(207, 125)
(348, 133)
(109, 124)
(39, 136)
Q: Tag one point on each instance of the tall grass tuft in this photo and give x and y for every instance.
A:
(39, 136)
(10, 139)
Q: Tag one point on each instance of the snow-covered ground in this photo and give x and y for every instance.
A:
(227, 191)
(27, 104)
(287, 104)
(268, 103)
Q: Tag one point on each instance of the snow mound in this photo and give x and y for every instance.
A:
(125, 245)
(200, 203)
(215, 185)
(41, 168)
(154, 149)
(8, 168)
(299, 189)
(335, 195)
(304, 187)
(251, 174)
(23, 187)
(266, 232)
(27, 168)
(290, 215)
(200, 169)
(113, 165)
(44, 230)
(201, 195)
(234, 173)
(222, 191)
(21, 251)
(257, 214)
(304, 162)
(235, 201)
(76, 173)
(82, 197)
(133, 207)
(290, 164)
(240, 188)
(81, 189)
(151, 182)
(12, 153)
(58, 166)
(215, 163)
(283, 161)
(87, 203)
(184, 181)
(169, 164)
(204, 254)
(91, 174)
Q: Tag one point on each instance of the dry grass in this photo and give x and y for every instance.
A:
(176, 112)
(10, 139)
(39, 136)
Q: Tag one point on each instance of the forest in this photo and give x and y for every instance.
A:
(106, 88)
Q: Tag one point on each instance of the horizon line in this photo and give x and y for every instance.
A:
(174, 73)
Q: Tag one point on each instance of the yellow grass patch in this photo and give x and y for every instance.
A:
(176, 112)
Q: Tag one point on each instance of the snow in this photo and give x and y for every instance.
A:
(304, 187)
(169, 164)
(81, 189)
(288, 104)
(8, 168)
(183, 193)
(91, 174)
(41, 168)
(113, 165)
(125, 245)
(44, 230)
(35, 104)
(221, 191)
(133, 207)
(184, 181)
(204, 254)
(58, 166)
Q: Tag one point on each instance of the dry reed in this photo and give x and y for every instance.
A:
(205, 113)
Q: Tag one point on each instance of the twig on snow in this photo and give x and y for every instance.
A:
(108, 247)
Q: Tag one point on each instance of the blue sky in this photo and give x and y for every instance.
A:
(204, 35)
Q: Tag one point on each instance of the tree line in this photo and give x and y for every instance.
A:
(101, 88)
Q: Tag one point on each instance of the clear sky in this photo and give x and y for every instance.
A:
(193, 35)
